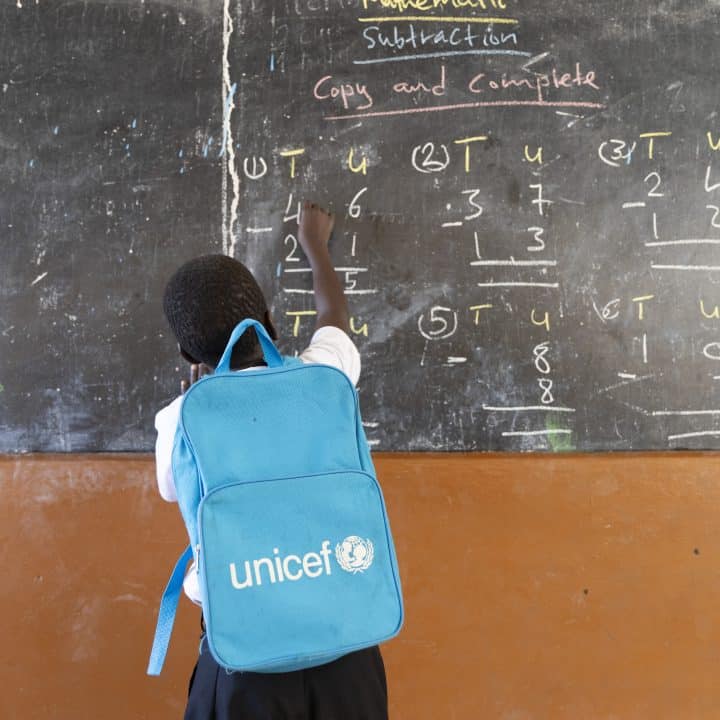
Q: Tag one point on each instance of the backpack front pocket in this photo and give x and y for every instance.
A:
(296, 571)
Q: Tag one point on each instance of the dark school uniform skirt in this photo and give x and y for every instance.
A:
(352, 687)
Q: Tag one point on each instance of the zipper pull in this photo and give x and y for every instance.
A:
(197, 562)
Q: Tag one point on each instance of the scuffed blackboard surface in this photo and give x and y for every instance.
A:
(528, 201)
(106, 113)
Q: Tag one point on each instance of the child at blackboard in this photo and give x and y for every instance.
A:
(203, 302)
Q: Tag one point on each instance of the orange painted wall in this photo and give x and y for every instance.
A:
(537, 587)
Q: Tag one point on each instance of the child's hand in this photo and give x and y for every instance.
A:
(315, 229)
(196, 372)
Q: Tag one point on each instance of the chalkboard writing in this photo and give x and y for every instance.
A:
(528, 202)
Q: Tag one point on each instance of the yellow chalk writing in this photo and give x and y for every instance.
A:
(429, 5)
(292, 154)
(714, 315)
(651, 137)
(362, 330)
(476, 309)
(641, 308)
(537, 157)
(545, 322)
(714, 144)
(466, 142)
(362, 167)
(297, 314)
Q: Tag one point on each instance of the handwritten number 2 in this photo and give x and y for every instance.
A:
(715, 222)
(291, 255)
(654, 177)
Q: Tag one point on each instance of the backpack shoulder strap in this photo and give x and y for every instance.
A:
(166, 614)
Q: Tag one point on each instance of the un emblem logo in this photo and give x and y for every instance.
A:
(354, 554)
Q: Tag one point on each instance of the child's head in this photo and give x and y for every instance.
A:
(205, 299)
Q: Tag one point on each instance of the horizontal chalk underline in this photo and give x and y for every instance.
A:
(519, 284)
(689, 241)
(449, 53)
(513, 263)
(685, 412)
(439, 18)
(709, 268)
(463, 106)
(347, 292)
(518, 433)
(337, 269)
(705, 433)
(529, 408)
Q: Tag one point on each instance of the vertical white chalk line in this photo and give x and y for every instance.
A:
(223, 191)
(229, 239)
(223, 187)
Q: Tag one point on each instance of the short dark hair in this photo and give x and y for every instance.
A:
(205, 299)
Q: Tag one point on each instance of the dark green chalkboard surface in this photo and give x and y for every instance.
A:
(528, 201)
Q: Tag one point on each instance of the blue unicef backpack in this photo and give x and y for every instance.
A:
(287, 523)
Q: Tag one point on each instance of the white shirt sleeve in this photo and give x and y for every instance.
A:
(329, 345)
(166, 421)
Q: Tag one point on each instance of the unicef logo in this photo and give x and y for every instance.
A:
(354, 554)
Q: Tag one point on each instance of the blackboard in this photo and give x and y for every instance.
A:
(528, 201)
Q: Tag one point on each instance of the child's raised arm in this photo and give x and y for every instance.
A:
(316, 227)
